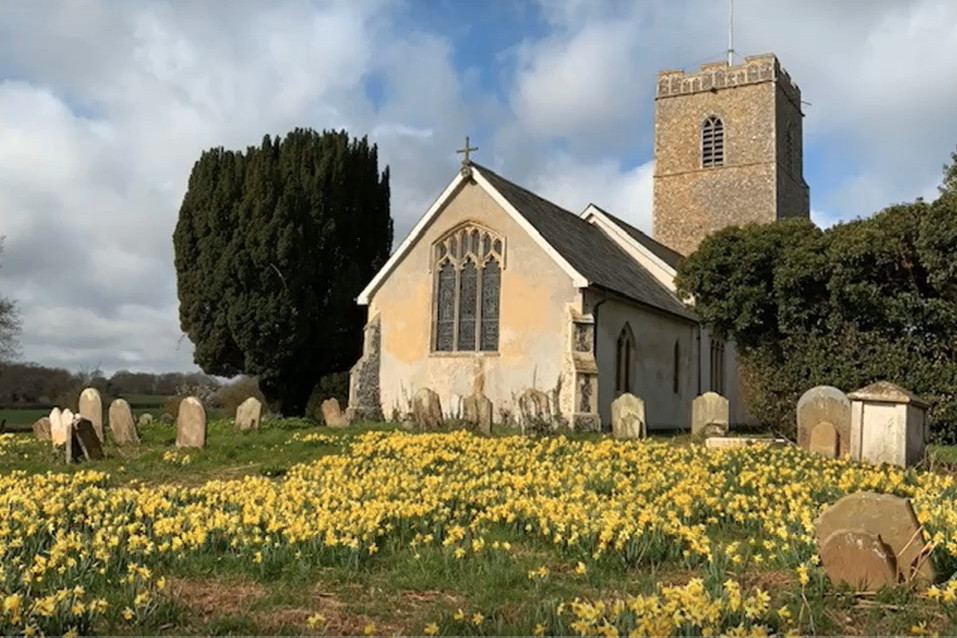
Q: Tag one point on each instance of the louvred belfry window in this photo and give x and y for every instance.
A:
(712, 142)
(467, 265)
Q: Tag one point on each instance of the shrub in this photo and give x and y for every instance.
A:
(230, 396)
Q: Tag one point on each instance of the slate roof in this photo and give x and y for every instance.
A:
(665, 254)
(588, 249)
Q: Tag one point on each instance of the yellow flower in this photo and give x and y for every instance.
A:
(161, 583)
(72, 633)
(127, 613)
(539, 630)
(11, 606)
(431, 629)
(315, 619)
(580, 568)
(369, 629)
(477, 619)
(459, 614)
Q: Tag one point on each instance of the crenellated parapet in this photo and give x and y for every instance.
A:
(713, 76)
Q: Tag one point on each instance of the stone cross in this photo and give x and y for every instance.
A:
(465, 151)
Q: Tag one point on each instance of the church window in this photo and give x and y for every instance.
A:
(623, 355)
(467, 266)
(717, 366)
(676, 382)
(712, 142)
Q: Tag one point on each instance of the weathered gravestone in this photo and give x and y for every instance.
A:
(426, 409)
(628, 417)
(191, 424)
(121, 423)
(892, 519)
(144, 419)
(58, 432)
(41, 429)
(888, 425)
(535, 411)
(859, 559)
(709, 415)
(83, 442)
(477, 412)
(824, 415)
(91, 409)
(332, 414)
(248, 414)
(455, 406)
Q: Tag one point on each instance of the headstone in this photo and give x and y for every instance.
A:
(71, 447)
(144, 419)
(41, 429)
(477, 412)
(426, 409)
(248, 414)
(824, 404)
(191, 424)
(121, 423)
(888, 425)
(91, 409)
(58, 430)
(534, 409)
(89, 442)
(332, 415)
(885, 515)
(709, 409)
(824, 440)
(859, 559)
(455, 407)
(628, 417)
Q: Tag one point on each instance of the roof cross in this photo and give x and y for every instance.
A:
(465, 151)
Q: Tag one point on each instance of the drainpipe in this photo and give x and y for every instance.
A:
(594, 350)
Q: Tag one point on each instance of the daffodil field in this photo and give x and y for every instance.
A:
(457, 534)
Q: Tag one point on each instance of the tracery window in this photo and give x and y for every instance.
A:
(467, 263)
(624, 352)
(712, 142)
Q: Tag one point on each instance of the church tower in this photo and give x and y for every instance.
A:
(728, 149)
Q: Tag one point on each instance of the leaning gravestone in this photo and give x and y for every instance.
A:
(41, 429)
(709, 415)
(534, 410)
(191, 424)
(859, 559)
(892, 519)
(91, 409)
(427, 409)
(121, 423)
(628, 417)
(248, 414)
(332, 414)
(58, 432)
(477, 412)
(89, 440)
(820, 405)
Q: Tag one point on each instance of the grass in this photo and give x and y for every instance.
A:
(20, 419)
(399, 590)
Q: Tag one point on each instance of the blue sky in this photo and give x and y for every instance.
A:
(105, 105)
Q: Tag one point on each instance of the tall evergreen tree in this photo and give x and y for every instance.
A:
(272, 247)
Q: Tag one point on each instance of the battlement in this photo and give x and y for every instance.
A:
(713, 76)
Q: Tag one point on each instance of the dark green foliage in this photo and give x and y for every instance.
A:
(272, 247)
(859, 302)
(334, 385)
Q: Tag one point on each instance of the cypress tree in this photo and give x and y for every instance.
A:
(272, 246)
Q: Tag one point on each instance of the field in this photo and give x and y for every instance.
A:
(294, 529)
(21, 419)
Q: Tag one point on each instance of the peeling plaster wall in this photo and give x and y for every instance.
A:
(534, 327)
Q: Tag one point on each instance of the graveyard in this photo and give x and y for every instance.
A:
(259, 525)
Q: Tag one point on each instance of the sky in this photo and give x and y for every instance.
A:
(106, 104)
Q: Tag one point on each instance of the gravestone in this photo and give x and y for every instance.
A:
(824, 440)
(885, 515)
(121, 423)
(534, 410)
(58, 430)
(426, 409)
(332, 414)
(91, 409)
(41, 429)
(455, 406)
(191, 424)
(628, 417)
(248, 414)
(477, 412)
(859, 559)
(144, 419)
(824, 404)
(709, 415)
(89, 441)
(888, 425)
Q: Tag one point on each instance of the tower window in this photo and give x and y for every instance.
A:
(789, 150)
(712, 142)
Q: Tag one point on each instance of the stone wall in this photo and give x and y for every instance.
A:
(364, 395)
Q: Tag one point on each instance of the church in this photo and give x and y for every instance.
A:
(497, 291)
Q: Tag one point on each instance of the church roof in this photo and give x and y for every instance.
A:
(588, 249)
(665, 254)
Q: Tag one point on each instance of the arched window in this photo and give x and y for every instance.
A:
(624, 354)
(712, 142)
(676, 382)
(467, 264)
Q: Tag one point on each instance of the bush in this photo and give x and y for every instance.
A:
(230, 396)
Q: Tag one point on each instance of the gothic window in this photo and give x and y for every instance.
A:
(467, 265)
(676, 382)
(625, 347)
(712, 142)
(717, 366)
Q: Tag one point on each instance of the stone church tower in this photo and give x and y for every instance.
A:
(728, 149)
